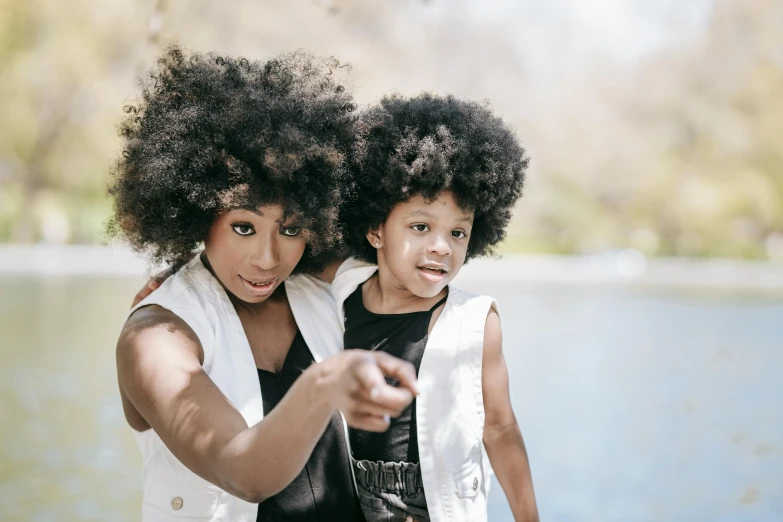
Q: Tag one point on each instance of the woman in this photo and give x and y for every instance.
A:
(245, 158)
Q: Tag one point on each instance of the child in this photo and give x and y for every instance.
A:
(436, 180)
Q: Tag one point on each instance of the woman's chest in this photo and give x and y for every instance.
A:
(270, 338)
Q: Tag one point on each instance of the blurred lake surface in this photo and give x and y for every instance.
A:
(636, 405)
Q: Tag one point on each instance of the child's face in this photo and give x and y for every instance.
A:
(423, 243)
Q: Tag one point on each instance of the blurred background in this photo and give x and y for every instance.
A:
(641, 282)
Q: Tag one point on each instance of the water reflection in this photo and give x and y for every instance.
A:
(67, 454)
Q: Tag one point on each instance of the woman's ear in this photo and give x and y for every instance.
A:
(374, 237)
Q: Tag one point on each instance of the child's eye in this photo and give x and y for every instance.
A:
(420, 227)
(243, 229)
(290, 231)
(459, 234)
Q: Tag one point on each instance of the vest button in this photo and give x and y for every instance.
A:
(176, 503)
(475, 484)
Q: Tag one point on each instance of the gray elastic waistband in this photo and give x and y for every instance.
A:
(388, 477)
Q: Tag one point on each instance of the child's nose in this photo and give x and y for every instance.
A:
(440, 246)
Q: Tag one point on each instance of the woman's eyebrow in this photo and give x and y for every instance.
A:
(290, 220)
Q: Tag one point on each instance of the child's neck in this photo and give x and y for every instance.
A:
(383, 294)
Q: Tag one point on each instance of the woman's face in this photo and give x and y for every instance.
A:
(253, 252)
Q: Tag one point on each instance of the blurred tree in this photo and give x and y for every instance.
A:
(63, 71)
(679, 155)
(676, 154)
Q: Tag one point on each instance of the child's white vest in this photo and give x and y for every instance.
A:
(171, 491)
(450, 410)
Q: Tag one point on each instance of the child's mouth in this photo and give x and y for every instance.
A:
(433, 274)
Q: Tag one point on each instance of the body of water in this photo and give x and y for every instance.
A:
(635, 405)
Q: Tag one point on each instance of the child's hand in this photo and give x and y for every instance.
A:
(152, 284)
(354, 382)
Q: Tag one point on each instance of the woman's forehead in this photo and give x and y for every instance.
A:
(273, 211)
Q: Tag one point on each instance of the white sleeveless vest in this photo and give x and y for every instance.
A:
(450, 408)
(171, 491)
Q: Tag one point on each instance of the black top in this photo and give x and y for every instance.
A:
(323, 490)
(401, 335)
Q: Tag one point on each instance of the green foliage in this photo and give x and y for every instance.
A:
(676, 154)
(680, 155)
(62, 82)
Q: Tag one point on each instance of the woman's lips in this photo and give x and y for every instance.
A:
(259, 288)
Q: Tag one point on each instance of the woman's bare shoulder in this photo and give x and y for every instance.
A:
(153, 328)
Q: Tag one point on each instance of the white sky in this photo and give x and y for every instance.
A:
(560, 35)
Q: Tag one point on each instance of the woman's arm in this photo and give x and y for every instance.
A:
(502, 436)
(159, 362)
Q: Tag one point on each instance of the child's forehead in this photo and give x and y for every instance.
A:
(443, 204)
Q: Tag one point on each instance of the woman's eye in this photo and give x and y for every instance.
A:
(459, 234)
(243, 230)
(420, 227)
(291, 231)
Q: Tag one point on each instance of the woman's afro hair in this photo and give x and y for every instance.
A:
(426, 145)
(213, 133)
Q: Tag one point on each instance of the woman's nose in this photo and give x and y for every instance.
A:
(265, 257)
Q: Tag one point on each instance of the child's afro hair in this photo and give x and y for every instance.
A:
(423, 146)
